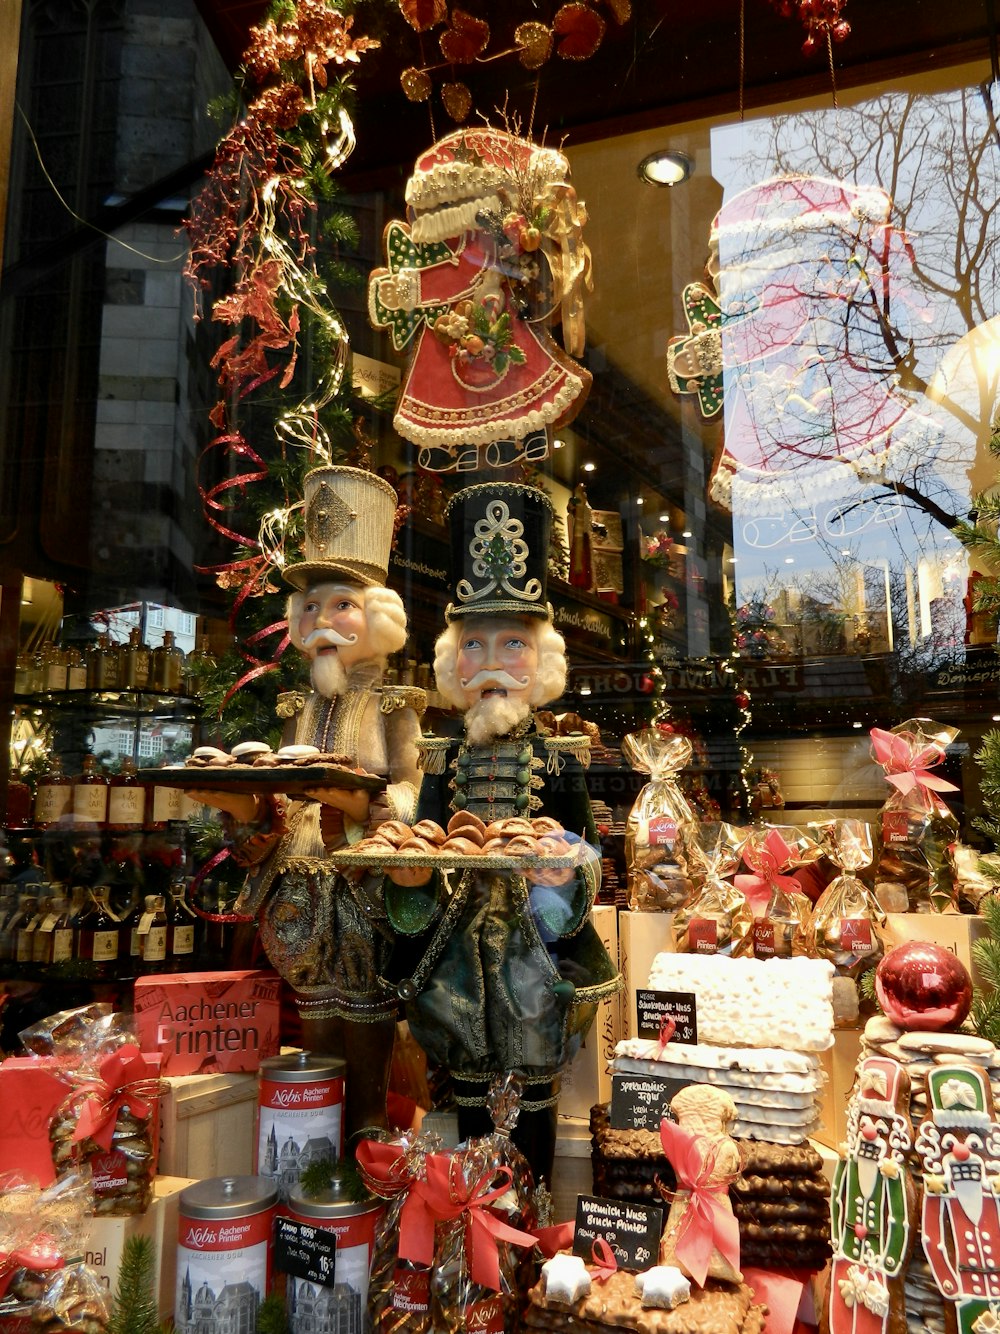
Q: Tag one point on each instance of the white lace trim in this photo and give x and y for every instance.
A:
(496, 428)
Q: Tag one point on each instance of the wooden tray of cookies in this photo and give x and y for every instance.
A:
(459, 861)
(293, 779)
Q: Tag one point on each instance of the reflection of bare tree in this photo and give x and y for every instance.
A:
(936, 156)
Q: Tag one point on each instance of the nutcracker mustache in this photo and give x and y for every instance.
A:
(489, 679)
(327, 639)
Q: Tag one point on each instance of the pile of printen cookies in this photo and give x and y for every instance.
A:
(469, 836)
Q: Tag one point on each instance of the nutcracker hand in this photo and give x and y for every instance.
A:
(242, 806)
(352, 801)
(408, 876)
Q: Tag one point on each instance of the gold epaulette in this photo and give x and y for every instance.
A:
(290, 703)
(392, 698)
(574, 743)
(432, 752)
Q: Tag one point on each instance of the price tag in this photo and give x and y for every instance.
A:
(305, 1251)
(631, 1230)
(657, 1007)
(640, 1102)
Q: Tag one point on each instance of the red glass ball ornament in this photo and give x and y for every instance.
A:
(923, 986)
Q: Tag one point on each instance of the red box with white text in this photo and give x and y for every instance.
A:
(207, 1023)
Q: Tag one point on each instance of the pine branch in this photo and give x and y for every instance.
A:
(272, 1317)
(985, 1016)
(134, 1310)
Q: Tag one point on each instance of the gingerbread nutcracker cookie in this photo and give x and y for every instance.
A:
(873, 1206)
(959, 1148)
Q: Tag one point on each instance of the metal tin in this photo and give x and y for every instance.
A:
(300, 1115)
(343, 1306)
(224, 1238)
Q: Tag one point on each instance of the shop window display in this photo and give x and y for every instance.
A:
(758, 412)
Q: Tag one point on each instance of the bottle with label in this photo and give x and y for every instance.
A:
(53, 930)
(135, 662)
(126, 799)
(90, 794)
(96, 930)
(103, 664)
(166, 665)
(76, 669)
(182, 921)
(55, 668)
(164, 804)
(24, 928)
(199, 664)
(152, 931)
(8, 911)
(53, 795)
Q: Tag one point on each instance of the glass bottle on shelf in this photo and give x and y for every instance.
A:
(53, 795)
(61, 947)
(54, 661)
(9, 901)
(152, 932)
(103, 664)
(135, 662)
(182, 921)
(24, 928)
(164, 804)
(166, 665)
(126, 799)
(96, 931)
(52, 918)
(76, 669)
(197, 666)
(90, 794)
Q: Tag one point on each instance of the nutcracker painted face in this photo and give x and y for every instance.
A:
(334, 631)
(496, 666)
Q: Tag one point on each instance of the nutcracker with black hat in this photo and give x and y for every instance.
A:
(506, 973)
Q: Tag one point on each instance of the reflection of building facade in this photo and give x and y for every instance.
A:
(232, 1311)
(285, 1165)
(317, 1310)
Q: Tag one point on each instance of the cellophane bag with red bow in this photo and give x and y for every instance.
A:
(658, 878)
(915, 871)
(399, 1290)
(718, 920)
(106, 1120)
(42, 1278)
(781, 911)
(847, 924)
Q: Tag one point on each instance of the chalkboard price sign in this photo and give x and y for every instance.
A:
(305, 1251)
(631, 1230)
(657, 1008)
(640, 1102)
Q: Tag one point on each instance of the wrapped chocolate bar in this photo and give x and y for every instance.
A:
(915, 871)
(780, 908)
(847, 924)
(105, 1120)
(718, 920)
(657, 871)
(399, 1290)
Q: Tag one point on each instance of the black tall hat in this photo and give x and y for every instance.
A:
(500, 550)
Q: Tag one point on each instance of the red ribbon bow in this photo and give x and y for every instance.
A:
(39, 1254)
(907, 767)
(445, 1195)
(386, 1169)
(768, 857)
(707, 1224)
(120, 1074)
(667, 1030)
(551, 1240)
(604, 1261)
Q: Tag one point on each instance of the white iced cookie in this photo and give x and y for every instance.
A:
(663, 1286)
(297, 752)
(566, 1279)
(248, 750)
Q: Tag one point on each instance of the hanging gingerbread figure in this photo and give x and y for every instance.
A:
(492, 256)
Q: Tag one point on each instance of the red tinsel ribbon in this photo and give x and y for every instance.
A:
(605, 1263)
(40, 1254)
(124, 1076)
(907, 767)
(446, 1195)
(768, 858)
(707, 1224)
(195, 884)
(551, 1240)
(231, 444)
(258, 666)
(384, 1168)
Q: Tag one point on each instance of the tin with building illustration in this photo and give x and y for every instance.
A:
(340, 1301)
(300, 1115)
(224, 1245)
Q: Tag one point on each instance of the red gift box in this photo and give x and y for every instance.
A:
(31, 1089)
(209, 1022)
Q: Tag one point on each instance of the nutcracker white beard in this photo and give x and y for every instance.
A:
(494, 716)
(329, 676)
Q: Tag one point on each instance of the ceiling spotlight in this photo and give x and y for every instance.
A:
(558, 444)
(589, 467)
(639, 500)
(687, 533)
(665, 167)
(858, 725)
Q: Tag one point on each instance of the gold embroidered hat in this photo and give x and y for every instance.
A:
(500, 550)
(348, 528)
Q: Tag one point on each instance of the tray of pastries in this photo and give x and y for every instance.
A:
(514, 844)
(252, 766)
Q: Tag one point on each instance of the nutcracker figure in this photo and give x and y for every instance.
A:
(506, 972)
(959, 1148)
(872, 1206)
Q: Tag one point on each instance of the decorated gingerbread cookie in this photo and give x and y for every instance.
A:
(873, 1207)
(959, 1147)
